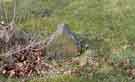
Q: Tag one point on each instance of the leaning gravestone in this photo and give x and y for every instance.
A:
(62, 44)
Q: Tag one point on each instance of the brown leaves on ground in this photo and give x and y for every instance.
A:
(26, 62)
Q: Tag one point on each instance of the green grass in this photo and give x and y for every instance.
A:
(60, 78)
(123, 55)
(108, 24)
(57, 78)
(109, 20)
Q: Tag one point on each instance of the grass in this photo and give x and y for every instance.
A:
(127, 54)
(108, 24)
(61, 78)
(58, 78)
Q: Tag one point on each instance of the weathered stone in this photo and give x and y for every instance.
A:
(11, 37)
(7, 31)
(62, 44)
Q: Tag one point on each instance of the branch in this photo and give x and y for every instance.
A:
(14, 11)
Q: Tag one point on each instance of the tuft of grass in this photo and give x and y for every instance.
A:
(124, 54)
(59, 78)
(5, 79)
(111, 77)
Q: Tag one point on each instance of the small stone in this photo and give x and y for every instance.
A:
(68, 72)
(4, 72)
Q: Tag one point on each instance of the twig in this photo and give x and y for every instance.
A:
(14, 11)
